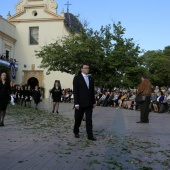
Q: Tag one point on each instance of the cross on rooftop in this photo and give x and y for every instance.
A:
(68, 4)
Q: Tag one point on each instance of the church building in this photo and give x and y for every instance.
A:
(7, 44)
(35, 24)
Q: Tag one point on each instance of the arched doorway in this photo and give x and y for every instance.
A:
(33, 82)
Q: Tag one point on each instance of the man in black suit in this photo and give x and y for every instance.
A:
(84, 101)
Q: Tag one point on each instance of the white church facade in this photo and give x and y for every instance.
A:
(7, 44)
(35, 24)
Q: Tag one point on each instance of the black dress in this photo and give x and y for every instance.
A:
(36, 94)
(5, 90)
(28, 95)
(18, 96)
(22, 95)
(56, 94)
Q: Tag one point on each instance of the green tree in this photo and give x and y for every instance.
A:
(68, 53)
(166, 51)
(112, 57)
(124, 67)
(157, 64)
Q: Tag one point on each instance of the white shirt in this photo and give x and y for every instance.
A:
(168, 97)
(86, 78)
(103, 97)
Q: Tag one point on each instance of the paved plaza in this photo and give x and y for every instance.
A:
(32, 140)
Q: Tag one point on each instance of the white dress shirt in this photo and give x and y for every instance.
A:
(86, 78)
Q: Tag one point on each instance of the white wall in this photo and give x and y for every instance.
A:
(25, 53)
(7, 28)
(1, 46)
(7, 37)
(51, 27)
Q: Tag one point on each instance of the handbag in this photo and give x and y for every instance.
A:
(140, 98)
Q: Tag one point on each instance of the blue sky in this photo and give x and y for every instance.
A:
(147, 21)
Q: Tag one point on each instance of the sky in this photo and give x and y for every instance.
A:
(146, 21)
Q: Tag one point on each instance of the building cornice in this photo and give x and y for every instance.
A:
(7, 37)
(56, 17)
(34, 0)
(36, 20)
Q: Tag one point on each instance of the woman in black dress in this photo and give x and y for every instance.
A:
(18, 95)
(28, 96)
(5, 90)
(36, 94)
(22, 95)
(56, 95)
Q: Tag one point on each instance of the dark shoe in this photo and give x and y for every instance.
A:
(140, 122)
(1, 123)
(77, 135)
(57, 112)
(92, 138)
(53, 111)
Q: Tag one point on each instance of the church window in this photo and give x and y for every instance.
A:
(34, 35)
(7, 54)
(34, 13)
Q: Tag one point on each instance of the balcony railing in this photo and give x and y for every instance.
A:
(7, 63)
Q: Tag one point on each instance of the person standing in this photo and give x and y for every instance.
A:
(36, 94)
(56, 95)
(18, 94)
(29, 96)
(22, 93)
(146, 89)
(84, 101)
(5, 90)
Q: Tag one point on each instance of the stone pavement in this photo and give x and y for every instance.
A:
(121, 143)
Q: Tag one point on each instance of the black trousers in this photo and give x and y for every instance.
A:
(144, 110)
(78, 119)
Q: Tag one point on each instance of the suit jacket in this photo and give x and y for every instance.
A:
(83, 96)
(145, 88)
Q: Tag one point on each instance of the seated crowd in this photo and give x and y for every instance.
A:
(118, 97)
(67, 96)
(125, 98)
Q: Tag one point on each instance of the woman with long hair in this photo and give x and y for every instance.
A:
(5, 91)
(56, 95)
